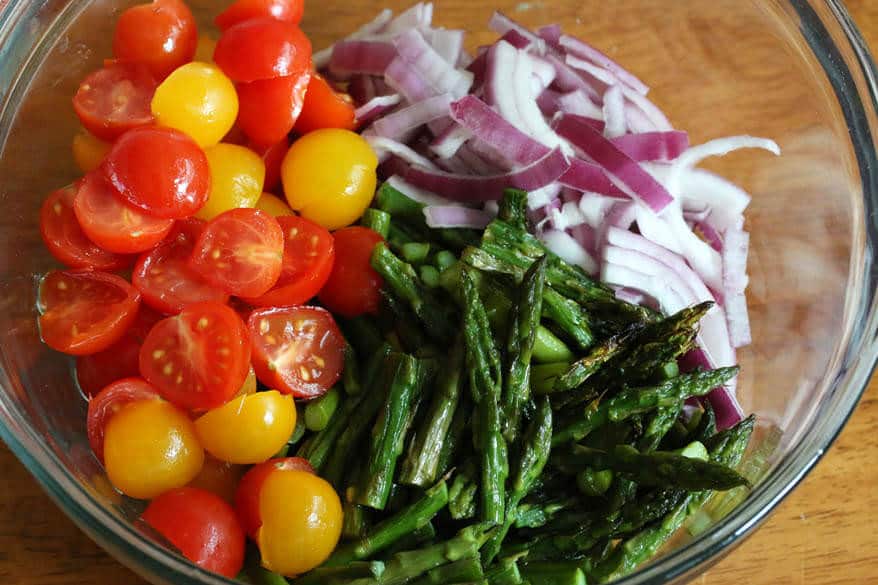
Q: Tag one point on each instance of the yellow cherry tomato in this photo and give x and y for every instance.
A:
(329, 176)
(220, 478)
(151, 447)
(236, 177)
(197, 99)
(248, 429)
(301, 521)
(89, 150)
(249, 385)
(273, 205)
(204, 49)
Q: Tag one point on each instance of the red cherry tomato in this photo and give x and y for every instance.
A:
(273, 157)
(241, 252)
(115, 99)
(247, 495)
(353, 288)
(108, 402)
(198, 359)
(263, 48)
(163, 275)
(325, 108)
(202, 526)
(268, 109)
(111, 223)
(66, 240)
(296, 350)
(159, 170)
(83, 311)
(309, 254)
(161, 35)
(285, 10)
(120, 360)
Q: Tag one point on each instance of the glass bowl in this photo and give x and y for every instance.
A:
(795, 71)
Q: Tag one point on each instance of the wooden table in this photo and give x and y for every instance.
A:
(825, 532)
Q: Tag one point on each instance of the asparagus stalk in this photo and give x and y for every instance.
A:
(355, 521)
(583, 368)
(357, 570)
(554, 573)
(462, 494)
(377, 221)
(466, 570)
(350, 376)
(320, 411)
(505, 572)
(513, 208)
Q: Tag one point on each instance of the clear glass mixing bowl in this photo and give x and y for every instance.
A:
(795, 71)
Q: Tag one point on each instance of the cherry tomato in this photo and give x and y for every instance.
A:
(159, 170)
(150, 447)
(298, 350)
(220, 478)
(285, 10)
(163, 275)
(247, 494)
(250, 384)
(240, 252)
(236, 177)
(121, 360)
(83, 311)
(309, 254)
(89, 150)
(205, 48)
(197, 99)
(263, 48)
(353, 288)
(202, 526)
(110, 400)
(329, 176)
(325, 108)
(274, 205)
(115, 99)
(198, 359)
(273, 157)
(301, 521)
(269, 107)
(111, 223)
(161, 35)
(66, 240)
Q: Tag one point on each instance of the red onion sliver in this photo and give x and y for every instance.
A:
(711, 236)
(416, 193)
(585, 51)
(501, 24)
(578, 103)
(376, 25)
(614, 113)
(385, 147)
(728, 411)
(551, 33)
(375, 107)
(447, 43)
(738, 319)
(455, 216)
(401, 122)
(568, 249)
(360, 56)
(653, 146)
(440, 76)
(734, 254)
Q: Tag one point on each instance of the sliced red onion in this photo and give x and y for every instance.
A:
(492, 128)
(455, 216)
(360, 56)
(447, 42)
(385, 147)
(480, 63)
(501, 24)
(542, 72)
(725, 406)
(440, 76)
(709, 233)
(734, 255)
(375, 107)
(597, 77)
(637, 121)
(416, 193)
(406, 80)
(595, 208)
(585, 51)
(578, 103)
(567, 216)
(653, 146)
(585, 176)
(419, 16)
(551, 33)
(629, 295)
(716, 147)
(482, 159)
(405, 120)
(540, 198)
(649, 109)
(567, 79)
(454, 164)
(738, 319)
(362, 88)
(321, 58)
(568, 249)
(655, 285)
(446, 144)
(614, 113)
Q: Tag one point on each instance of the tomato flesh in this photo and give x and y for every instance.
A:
(325, 107)
(268, 108)
(263, 48)
(108, 402)
(286, 10)
(353, 287)
(247, 495)
(115, 99)
(161, 35)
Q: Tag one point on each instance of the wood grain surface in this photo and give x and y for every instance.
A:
(826, 532)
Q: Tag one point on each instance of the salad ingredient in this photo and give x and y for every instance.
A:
(353, 287)
(319, 411)
(273, 157)
(115, 99)
(205, 48)
(108, 401)
(286, 10)
(237, 176)
(274, 206)
(248, 493)
(88, 150)
(263, 48)
(219, 478)
(325, 107)
(160, 35)
(269, 108)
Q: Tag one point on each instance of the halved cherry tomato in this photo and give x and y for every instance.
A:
(89, 150)
(353, 288)
(273, 157)
(202, 526)
(163, 275)
(66, 240)
(287, 10)
(240, 252)
(111, 223)
(115, 99)
(161, 35)
(220, 478)
(83, 311)
(268, 108)
(110, 400)
(263, 48)
(121, 360)
(159, 170)
(198, 359)
(247, 495)
(309, 253)
(325, 108)
(298, 350)
(273, 205)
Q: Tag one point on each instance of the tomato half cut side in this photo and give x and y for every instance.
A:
(115, 99)
(163, 275)
(84, 311)
(198, 359)
(67, 242)
(111, 223)
(309, 253)
(241, 252)
(353, 288)
(268, 109)
(110, 400)
(263, 48)
(247, 494)
(286, 10)
(296, 350)
(161, 35)
(325, 107)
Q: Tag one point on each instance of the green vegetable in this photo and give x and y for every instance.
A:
(415, 252)
(377, 221)
(444, 259)
(429, 275)
(355, 521)
(319, 412)
(350, 376)
(463, 571)
(463, 491)
(554, 573)
(359, 570)
(548, 348)
(594, 483)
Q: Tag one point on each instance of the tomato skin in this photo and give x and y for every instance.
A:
(110, 400)
(274, 206)
(273, 157)
(202, 526)
(297, 350)
(309, 254)
(67, 242)
(89, 150)
(161, 35)
(353, 287)
(269, 107)
(84, 311)
(286, 10)
(263, 48)
(325, 108)
(219, 478)
(237, 175)
(115, 99)
(159, 170)
(247, 494)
